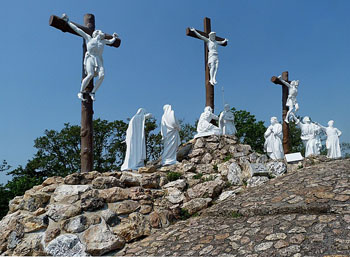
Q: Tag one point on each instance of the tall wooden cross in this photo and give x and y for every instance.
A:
(86, 132)
(209, 88)
(285, 125)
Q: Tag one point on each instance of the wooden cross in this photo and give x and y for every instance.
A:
(209, 88)
(285, 125)
(86, 132)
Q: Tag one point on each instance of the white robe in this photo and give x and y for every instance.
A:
(226, 123)
(135, 142)
(170, 128)
(332, 143)
(204, 127)
(311, 140)
(273, 142)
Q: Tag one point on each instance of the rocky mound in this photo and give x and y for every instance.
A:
(100, 213)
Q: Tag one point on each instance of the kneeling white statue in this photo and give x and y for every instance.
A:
(204, 127)
(226, 121)
(310, 136)
(135, 141)
(332, 143)
(273, 140)
(170, 128)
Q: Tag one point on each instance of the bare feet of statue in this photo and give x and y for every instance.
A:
(81, 96)
(92, 95)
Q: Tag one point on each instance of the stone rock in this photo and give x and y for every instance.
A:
(175, 195)
(34, 201)
(14, 204)
(223, 168)
(262, 159)
(205, 169)
(179, 184)
(147, 169)
(100, 240)
(75, 225)
(276, 168)
(256, 181)
(160, 219)
(200, 143)
(207, 158)
(196, 205)
(145, 209)
(30, 245)
(81, 178)
(258, 169)
(209, 189)
(226, 194)
(114, 194)
(33, 223)
(91, 201)
(135, 226)
(234, 175)
(52, 180)
(131, 179)
(150, 181)
(124, 207)
(212, 146)
(196, 153)
(59, 212)
(183, 152)
(110, 217)
(69, 193)
(188, 167)
(51, 233)
(106, 182)
(66, 245)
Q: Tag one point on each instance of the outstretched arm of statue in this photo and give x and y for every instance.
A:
(283, 81)
(199, 35)
(148, 115)
(223, 41)
(322, 127)
(111, 41)
(75, 28)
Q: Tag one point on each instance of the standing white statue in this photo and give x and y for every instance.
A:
(204, 127)
(226, 121)
(135, 141)
(213, 60)
(292, 98)
(93, 61)
(310, 136)
(170, 128)
(273, 140)
(332, 142)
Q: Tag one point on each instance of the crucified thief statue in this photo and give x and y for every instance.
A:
(292, 98)
(213, 60)
(93, 61)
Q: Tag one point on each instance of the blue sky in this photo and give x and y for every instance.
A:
(158, 64)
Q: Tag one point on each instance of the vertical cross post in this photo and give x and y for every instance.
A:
(285, 125)
(86, 131)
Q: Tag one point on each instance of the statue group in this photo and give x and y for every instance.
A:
(135, 135)
(310, 131)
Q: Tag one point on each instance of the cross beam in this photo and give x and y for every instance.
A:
(60, 24)
(209, 88)
(285, 125)
(86, 131)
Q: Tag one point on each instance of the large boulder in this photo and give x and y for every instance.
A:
(209, 189)
(135, 226)
(69, 193)
(66, 245)
(196, 205)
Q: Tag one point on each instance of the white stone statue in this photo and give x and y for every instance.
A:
(332, 142)
(273, 140)
(135, 141)
(204, 127)
(310, 136)
(93, 61)
(292, 98)
(226, 121)
(170, 128)
(213, 60)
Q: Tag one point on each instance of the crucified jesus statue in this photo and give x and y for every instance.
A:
(213, 60)
(292, 98)
(93, 61)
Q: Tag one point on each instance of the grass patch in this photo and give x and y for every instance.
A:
(184, 215)
(236, 215)
(209, 178)
(172, 176)
(228, 157)
(215, 167)
(198, 176)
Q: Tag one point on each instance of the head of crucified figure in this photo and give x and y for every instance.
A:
(212, 36)
(98, 34)
(295, 83)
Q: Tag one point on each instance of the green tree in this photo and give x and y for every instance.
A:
(249, 131)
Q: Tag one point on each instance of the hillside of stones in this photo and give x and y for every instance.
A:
(102, 213)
